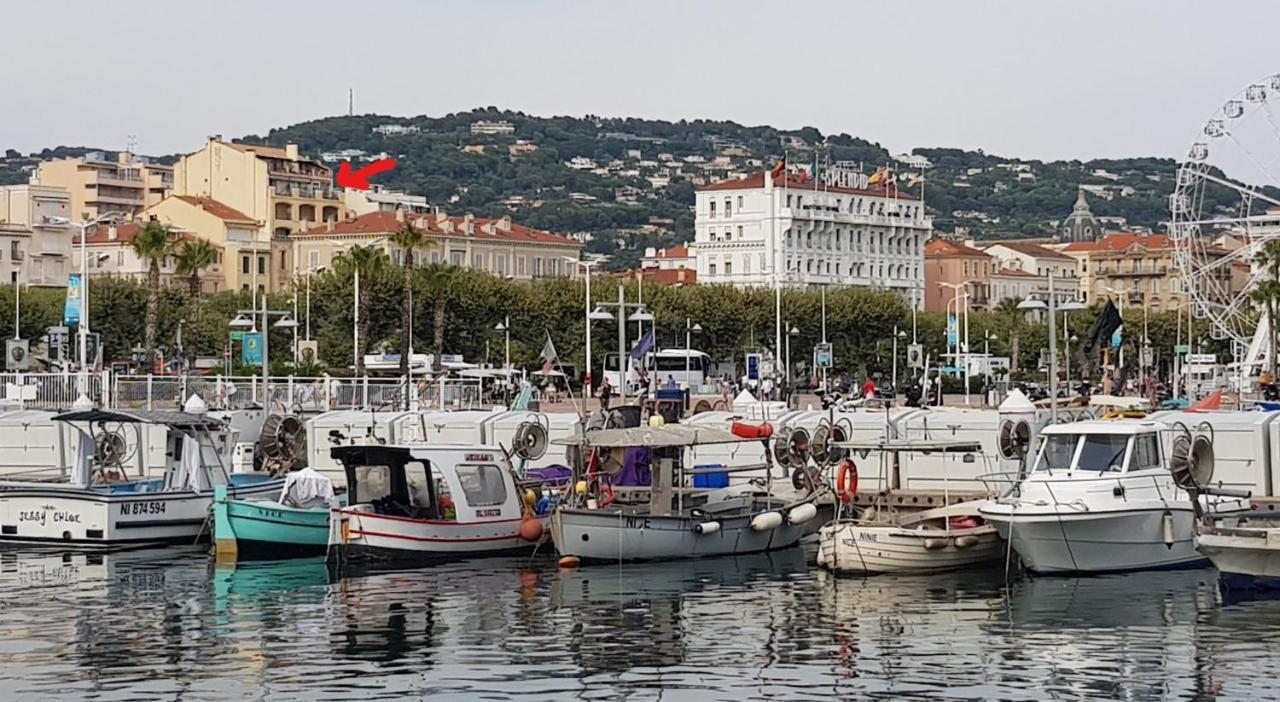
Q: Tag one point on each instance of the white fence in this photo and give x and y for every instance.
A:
(56, 391)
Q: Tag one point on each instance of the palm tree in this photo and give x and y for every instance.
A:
(365, 261)
(193, 256)
(439, 278)
(1008, 308)
(1268, 294)
(152, 244)
(409, 239)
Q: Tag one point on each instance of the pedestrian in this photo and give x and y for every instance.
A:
(869, 389)
(606, 394)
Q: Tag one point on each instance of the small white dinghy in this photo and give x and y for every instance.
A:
(886, 540)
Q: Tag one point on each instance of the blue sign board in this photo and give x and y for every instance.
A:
(753, 366)
(251, 349)
(75, 301)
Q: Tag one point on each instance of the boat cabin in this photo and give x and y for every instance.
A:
(463, 483)
(1102, 447)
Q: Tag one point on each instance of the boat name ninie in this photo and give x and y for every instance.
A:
(41, 517)
(130, 508)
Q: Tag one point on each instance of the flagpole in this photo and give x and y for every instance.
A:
(777, 281)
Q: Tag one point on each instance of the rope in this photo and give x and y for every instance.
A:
(1062, 528)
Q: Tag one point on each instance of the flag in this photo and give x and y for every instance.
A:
(878, 176)
(1103, 327)
(778, 168)
(643, 346)
(548, 355)
(1117, 337)
(916, 179)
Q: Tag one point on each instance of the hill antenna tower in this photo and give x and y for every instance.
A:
(351, 101)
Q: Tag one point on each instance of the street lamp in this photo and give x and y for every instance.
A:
(689, 331)
(1031, 304)
(310, 273)
(590, 315)
(964, 367)
(83, 323)
(621, 317)
(505, 327)
(250, 321)
(786, 362)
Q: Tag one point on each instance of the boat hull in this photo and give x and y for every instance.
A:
(268, 530)
(1101, 542)
(1246, 559)
(357, 536)
(868, 549)
(611, 536)
(65, 516)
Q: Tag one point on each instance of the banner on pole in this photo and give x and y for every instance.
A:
(251, 349)
(75, 301)
(915, 356)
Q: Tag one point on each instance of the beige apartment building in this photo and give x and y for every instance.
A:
(110, 252)
(951, 263)
(247, 250)
(35, 238)
(99, 184)
(497, 246)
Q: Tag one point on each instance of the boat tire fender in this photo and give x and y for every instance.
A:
(847, 480)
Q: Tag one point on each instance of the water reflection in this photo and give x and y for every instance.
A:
(163, 624)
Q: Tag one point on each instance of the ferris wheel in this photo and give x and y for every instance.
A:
(1225, 206)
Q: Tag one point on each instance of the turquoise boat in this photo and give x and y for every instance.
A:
(263, 529)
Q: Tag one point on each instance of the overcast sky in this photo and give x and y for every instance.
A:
(1033, 79)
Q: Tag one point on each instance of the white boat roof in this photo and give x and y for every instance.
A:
(179, 420)
(1106, 426)
(652, 437)
(911, 445)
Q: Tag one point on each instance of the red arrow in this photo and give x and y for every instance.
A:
(359, 180)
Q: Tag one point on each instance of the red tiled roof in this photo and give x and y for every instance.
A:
(756, 181)
(1123, 240)
(124, 234)
(383, 223)
(217, 209)
(1028, 249)
(671, 276)
(673, 252)
(942, 248)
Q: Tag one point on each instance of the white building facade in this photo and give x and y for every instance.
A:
(764, 229)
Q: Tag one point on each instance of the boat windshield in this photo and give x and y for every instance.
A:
(1103, 452)
(1057, 452)
(482, 485)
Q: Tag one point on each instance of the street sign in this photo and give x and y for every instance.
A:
(915, 356)
(1182, 348)
(16, 355)
(753, 366)
(822, 355)
(237, 336)
(1203, 359)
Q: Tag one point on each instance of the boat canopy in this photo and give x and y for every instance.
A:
(911, 446)
(178, 420)
(652, 437)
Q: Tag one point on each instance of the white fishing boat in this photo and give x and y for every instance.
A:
(111, 500)
(424, 503)
(632, 500)
(1102, 497)
(889, 537)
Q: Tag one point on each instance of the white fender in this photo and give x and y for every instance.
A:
(802, 513)
(705, 528)
(766, 521)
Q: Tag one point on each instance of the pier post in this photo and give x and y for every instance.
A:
(224, 539)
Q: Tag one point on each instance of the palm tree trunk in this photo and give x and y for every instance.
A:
(194, 289)
(437, 325)
(406, 316)
(153, 311)
(363, 328)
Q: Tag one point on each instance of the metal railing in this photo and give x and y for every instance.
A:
(59, 391)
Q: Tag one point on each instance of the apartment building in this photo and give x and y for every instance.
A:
(497, 246)
(950, 266)
(109, 249)
(35, 236)
(768, 228)
(99, 184)
(246, 250)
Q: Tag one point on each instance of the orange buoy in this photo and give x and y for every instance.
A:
(531, 530)
(847, 481)
(751, 431)
(570, 562)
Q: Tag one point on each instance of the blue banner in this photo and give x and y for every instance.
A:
(75, 302)
(1117, 337)
(953, 330)
(251, 349)
(643, 346)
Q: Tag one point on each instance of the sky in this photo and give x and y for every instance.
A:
(1030, 78)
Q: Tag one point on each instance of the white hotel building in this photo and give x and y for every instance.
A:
(755, 230)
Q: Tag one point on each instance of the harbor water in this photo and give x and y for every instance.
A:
(168, 625)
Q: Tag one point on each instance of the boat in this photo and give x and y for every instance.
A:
(617, 513)
(424, 503)
(889, 537)
(261, 528)
(102, 505)
(1101, 497)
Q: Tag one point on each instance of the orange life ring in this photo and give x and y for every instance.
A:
(847, 481)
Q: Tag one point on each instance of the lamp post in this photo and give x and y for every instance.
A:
(964, 367)
(286, 321)
(621, 317)
(505, 327)
(689, 331)
(1066, 308)
(589, 315)
(310, 272)
(1053, 344)
(897, 334)
(83, 323)
(640, 316)
(791, 331)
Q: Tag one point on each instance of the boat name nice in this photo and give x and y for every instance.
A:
(41, 517)
(636, 522)
(128, 508)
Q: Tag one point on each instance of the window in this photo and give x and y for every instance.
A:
(457, 258)
(1146, 452)
(500, 264)
(1057, 451)
(244, 265)
(713, 209)
(313, 260)
(262, 265)
(282, 266)
(537, 266)
(372, 483)
(520, 265)
(435, 256)
(739, 203)
(728, 267)
(1103, 452)
(711, 269)
(477, 261)
(482, 485)
(739, 232)
(728, 208)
